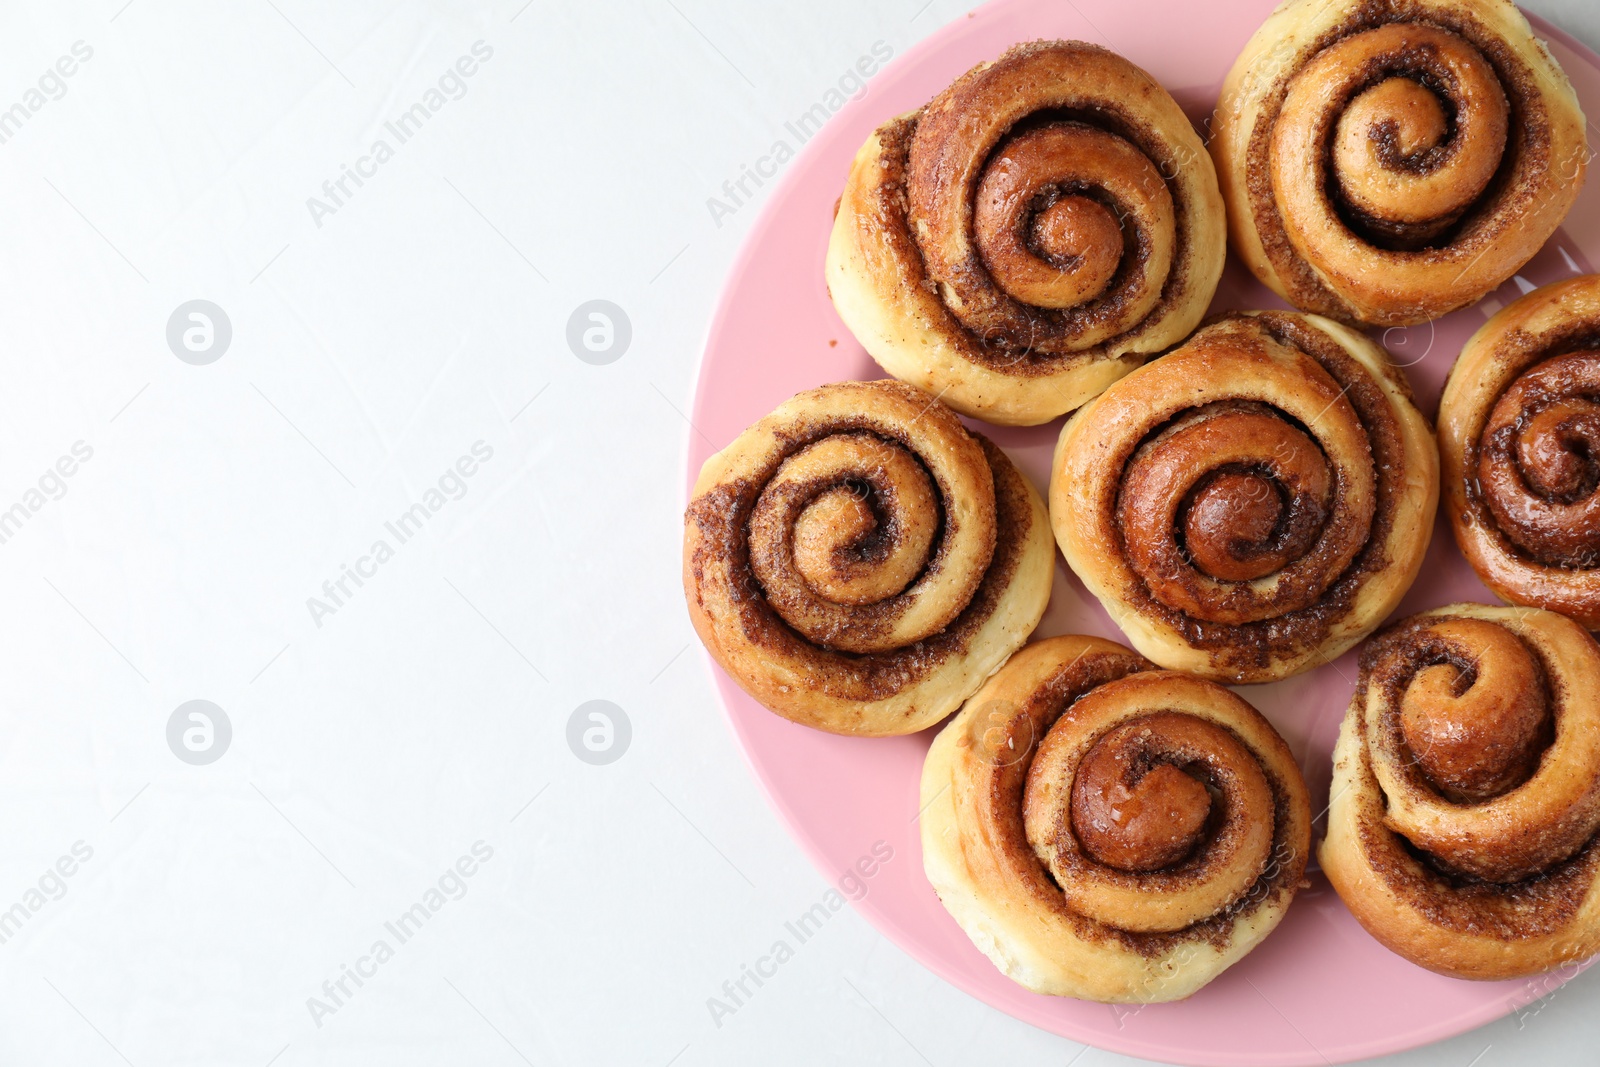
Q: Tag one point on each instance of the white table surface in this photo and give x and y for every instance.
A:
(376, 744)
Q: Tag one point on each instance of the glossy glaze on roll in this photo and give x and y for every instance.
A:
(1519, 439)
(1388, 161)
(858, 562)
(1252, 503)
(1037, 230)
(1108, 831)
(1464, 830)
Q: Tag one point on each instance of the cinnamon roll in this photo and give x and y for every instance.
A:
(1252, 503)
(1464, 831)
(1519, 438)
(1107, 831)
(1036, 231)
(858, 562)
(1387, 161)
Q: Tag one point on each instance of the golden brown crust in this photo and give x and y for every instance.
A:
(858, 562)
(1252, 503)
(1069, 824)
(972, 252)
(1519, 442)
(1481, 860)
(1388, 161)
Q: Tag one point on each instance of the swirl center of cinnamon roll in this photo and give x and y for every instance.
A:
(1393, 123)
(1161, 821)
(1557, 450)
(1238, 526)
(1226, 512)
(1136, 818)
(1044, 212)
(848, 539)
(1048, 244)
(1416, 135)
(1539, 466)
(1476, 728)
(846, 555)
(1081, 238)
(1480, 768)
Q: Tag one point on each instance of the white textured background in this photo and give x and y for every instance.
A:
(429, 712)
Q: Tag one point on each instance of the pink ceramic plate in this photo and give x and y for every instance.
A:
(1319, 989)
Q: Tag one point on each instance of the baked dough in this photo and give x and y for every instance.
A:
(1388, 161)
(1107, 831)
(1519, 443)
(1464, 830)
(1039, 229)
(1253, 503)
(858, 562)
